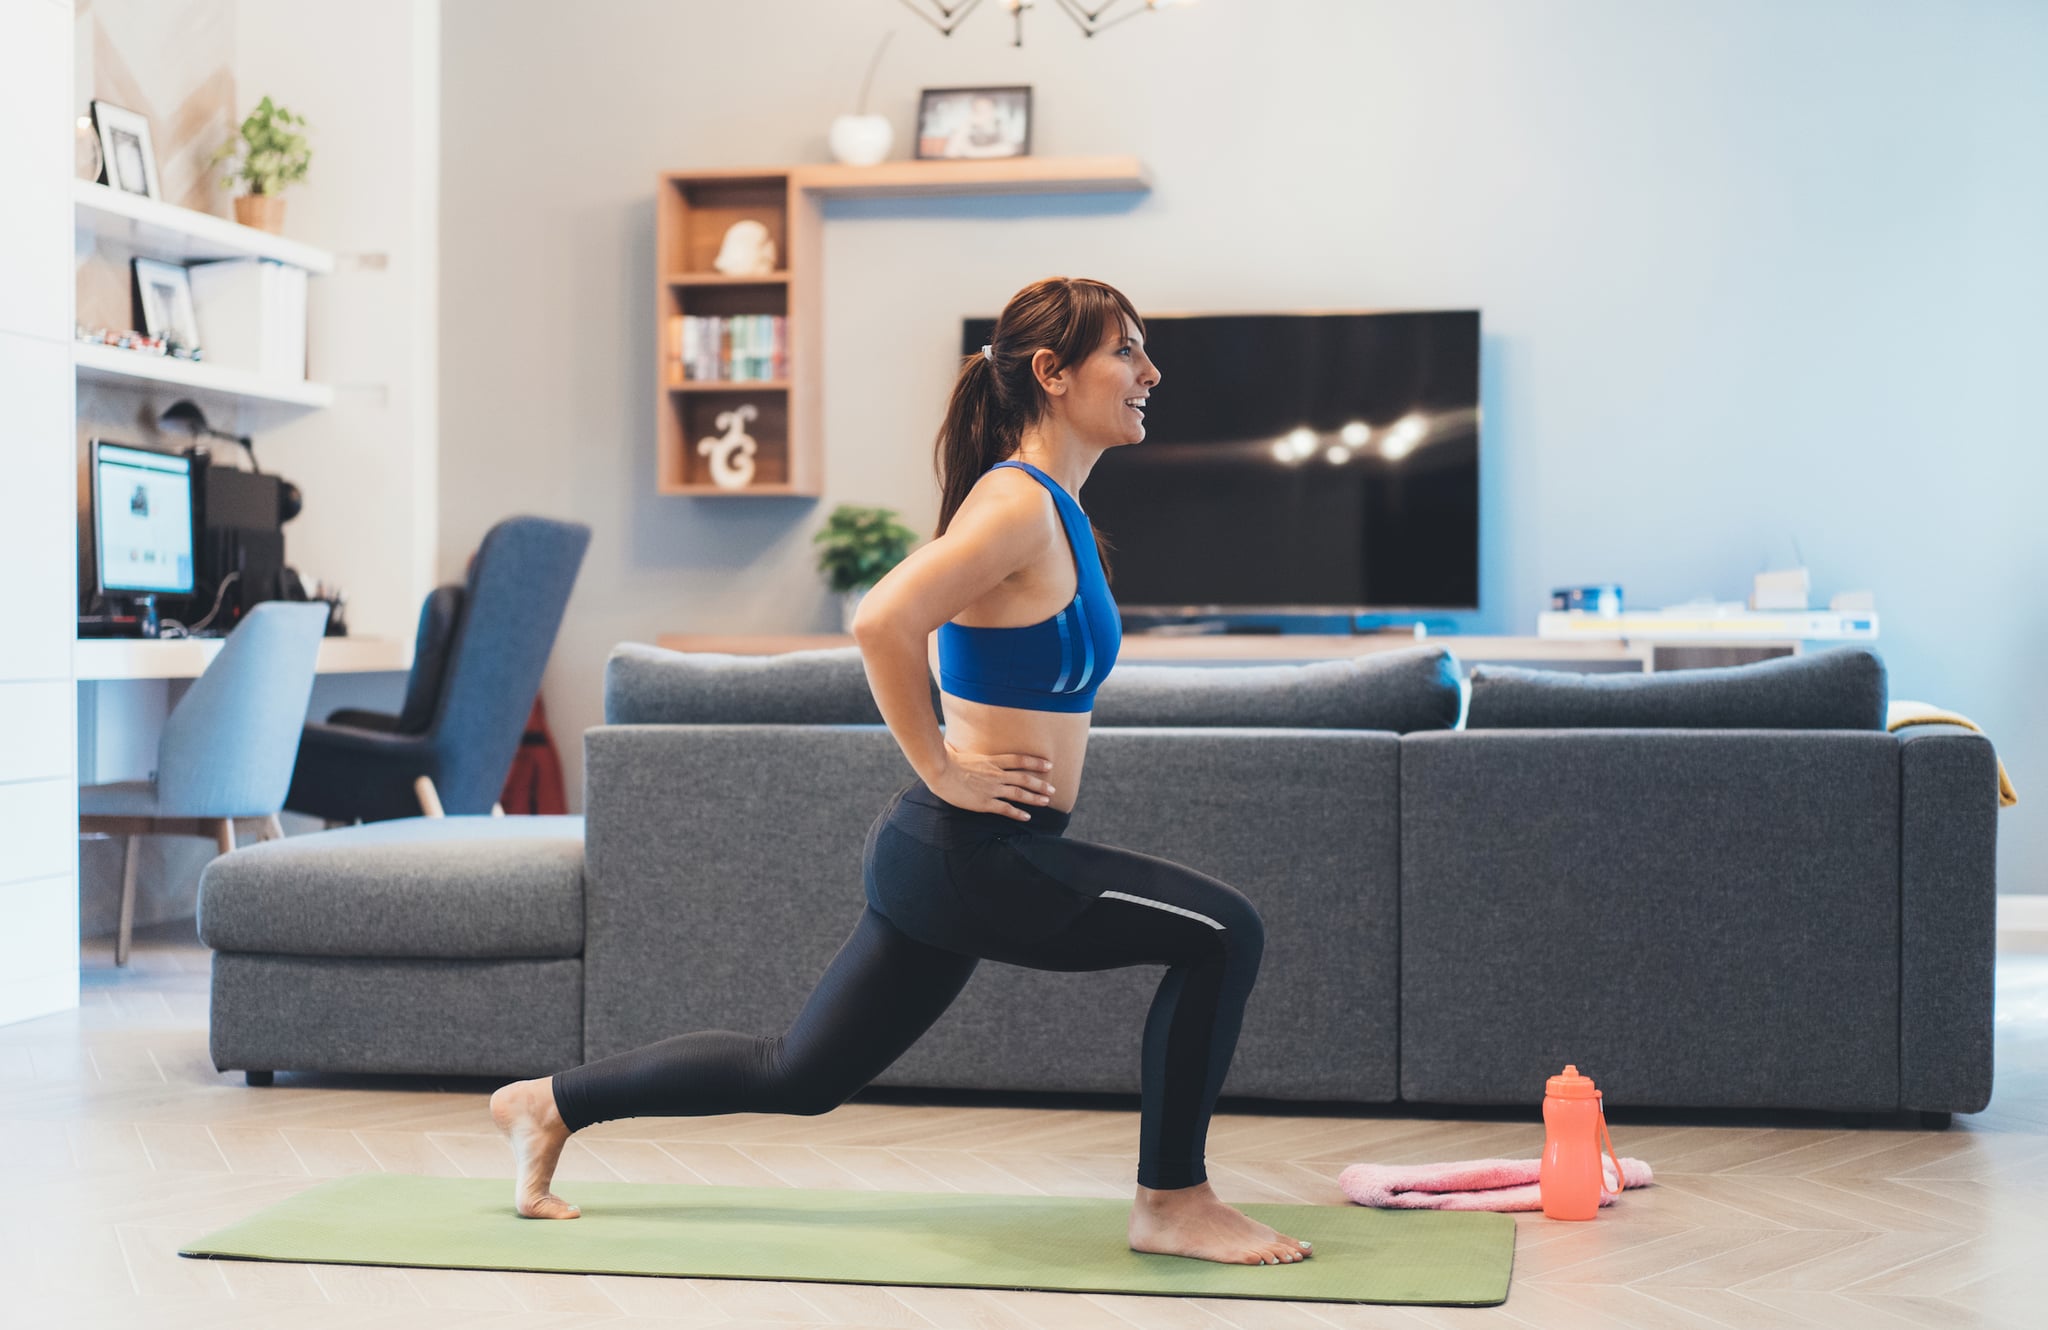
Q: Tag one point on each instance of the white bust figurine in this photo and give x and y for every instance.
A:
(746, 251)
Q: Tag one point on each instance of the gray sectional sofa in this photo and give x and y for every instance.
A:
(1722, 888)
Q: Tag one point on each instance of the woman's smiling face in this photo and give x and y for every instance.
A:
(1105, 404)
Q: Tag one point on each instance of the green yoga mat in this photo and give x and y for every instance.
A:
(947, 1240)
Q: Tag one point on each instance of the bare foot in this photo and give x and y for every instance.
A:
(1190, 1221)
(525, 1112)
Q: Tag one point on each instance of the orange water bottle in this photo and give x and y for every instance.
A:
(1574, 1128)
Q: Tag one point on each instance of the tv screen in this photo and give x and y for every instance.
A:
(1297, 463)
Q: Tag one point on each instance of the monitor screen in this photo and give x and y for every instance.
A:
(1297, 462)
(142, 520)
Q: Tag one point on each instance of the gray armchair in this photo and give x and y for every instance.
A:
(477, 667)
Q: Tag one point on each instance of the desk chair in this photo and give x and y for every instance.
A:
(227, 748)
(477, 666)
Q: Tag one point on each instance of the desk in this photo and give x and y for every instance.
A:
(101, 658)
(127, 685)
(1256, 648)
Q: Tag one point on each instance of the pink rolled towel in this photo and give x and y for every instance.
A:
(1470, 1184)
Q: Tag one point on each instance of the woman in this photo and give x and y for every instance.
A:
(969, 862)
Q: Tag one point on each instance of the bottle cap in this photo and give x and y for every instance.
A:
(1570, 1085)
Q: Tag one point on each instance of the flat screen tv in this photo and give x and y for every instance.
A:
(1297, 464)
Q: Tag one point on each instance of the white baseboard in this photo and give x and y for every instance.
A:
(2023, 914)
(25, 997)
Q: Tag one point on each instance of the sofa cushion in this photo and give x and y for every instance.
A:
(646, 685)
(1403, 691)
(1838, 689)
(455, 887)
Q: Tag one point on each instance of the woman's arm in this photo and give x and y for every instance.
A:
(1001, 528)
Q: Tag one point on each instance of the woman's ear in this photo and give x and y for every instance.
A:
(1046, 368)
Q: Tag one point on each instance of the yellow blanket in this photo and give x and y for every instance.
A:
(1901, 714)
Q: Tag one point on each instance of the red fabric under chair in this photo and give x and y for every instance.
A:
(534, 785)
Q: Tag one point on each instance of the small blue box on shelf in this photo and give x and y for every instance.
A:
(1604, 599)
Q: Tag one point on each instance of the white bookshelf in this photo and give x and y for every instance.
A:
(262, 400)
(180, 234)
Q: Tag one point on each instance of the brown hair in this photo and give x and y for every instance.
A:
(996, 397)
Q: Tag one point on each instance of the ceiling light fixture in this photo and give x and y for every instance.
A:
(1107, 14)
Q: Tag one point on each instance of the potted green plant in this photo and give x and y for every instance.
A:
(856, 547)
(268, 153)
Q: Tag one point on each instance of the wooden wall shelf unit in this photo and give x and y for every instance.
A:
(693, 209)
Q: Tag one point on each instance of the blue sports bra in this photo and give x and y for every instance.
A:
(1052, 665)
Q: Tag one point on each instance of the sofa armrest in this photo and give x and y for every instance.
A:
(1948, 869)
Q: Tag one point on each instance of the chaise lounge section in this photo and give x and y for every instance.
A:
(450, 945)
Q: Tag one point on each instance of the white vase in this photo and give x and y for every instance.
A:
(861, 140)
(849, 605)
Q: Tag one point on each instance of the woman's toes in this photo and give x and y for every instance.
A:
(549, 1206)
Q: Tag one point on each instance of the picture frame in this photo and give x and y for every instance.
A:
(164, 293)
(127, 158)
(968, 123)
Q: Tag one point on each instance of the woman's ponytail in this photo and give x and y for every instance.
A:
(978, 432)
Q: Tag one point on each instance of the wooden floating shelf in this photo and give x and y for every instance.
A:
(756, 491)
(728, 279)
(1009, 175)
(728, 385)
(180, 234)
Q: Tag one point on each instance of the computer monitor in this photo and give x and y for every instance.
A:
(142, 521)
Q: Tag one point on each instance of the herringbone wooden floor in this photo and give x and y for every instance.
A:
(126, 1143)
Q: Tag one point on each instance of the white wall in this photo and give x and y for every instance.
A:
(38, 788)
(366, 76)
(1751, 272)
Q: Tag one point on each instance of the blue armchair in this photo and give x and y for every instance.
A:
(477, 666)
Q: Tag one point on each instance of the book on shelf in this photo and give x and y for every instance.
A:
(251, 315)
(739, 348)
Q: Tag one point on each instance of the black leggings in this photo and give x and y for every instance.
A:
(947, 888)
